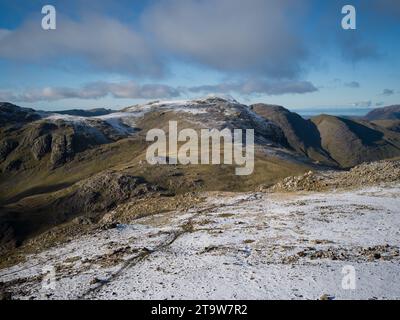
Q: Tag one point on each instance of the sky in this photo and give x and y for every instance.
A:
(113, 54)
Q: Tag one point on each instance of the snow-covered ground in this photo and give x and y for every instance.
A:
(209, 112)
(233, 246)
(124, 121)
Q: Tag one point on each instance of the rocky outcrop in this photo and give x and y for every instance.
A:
(6, 147)
(307, 182)
(14, 165)
(7, 237)
(365, 174)
(86, 201)
(61, 149)
(103, 192)
(41, 146)
(370, 173)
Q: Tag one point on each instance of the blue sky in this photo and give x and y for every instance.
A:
(117, 53)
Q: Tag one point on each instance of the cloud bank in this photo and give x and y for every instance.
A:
(253, 37)
(133, 90)
(231, 35)
(267, 41)
(258, 87)
(103, 43)
(96, 90)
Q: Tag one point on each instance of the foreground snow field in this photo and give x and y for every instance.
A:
(233, 246)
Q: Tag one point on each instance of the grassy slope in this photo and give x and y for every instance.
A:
(351, 142)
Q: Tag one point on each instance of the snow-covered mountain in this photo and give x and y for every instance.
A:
(48, 159)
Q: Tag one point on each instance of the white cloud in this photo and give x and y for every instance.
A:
(231, 35)
(133, 90)
(259, 87)
(4, 33)
(102, 42)
(363, 104)
(254, 37)
(96, 90)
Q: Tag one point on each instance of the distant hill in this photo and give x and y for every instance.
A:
(86, 113)
(302, 135)
(386, 113)
(351, 142)
(331, 140)
(12, 114)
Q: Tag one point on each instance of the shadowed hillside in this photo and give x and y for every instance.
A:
(386, 113)
(350, 142)
(302, 135)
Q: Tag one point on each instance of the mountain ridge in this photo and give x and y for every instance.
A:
(46, 158)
